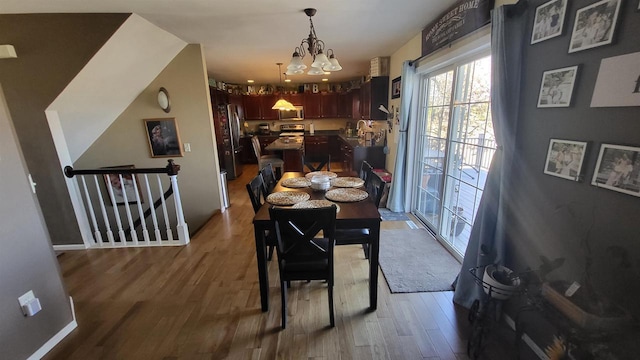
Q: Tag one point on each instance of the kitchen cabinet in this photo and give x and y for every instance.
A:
(312, 106)
(374, 93)
(355, 104)
(264, 141)
(353, 156)
(334, 148)
(329, 105)
(295, 99)
(344, 105)
(315, 145)
(237, 101)
(258, 107)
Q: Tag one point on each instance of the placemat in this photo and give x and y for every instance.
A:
(346, 195)
(330, 174)
(314, 204)
(287, 197)
(296, 182)
(347, 182)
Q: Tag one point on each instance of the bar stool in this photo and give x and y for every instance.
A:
(263, 160)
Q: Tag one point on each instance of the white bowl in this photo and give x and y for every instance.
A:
(496, 288)
(320, 182)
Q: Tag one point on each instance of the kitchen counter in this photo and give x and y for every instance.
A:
(281, 144)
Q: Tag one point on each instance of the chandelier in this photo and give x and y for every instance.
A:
(282, 104)
(315, 48)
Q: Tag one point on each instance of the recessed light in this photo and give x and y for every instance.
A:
(325, 79)
(250, 81)
(327, 72)
(287, 80)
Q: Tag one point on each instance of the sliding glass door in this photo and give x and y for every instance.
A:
(454, 149)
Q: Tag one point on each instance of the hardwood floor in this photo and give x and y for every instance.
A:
(202, 301)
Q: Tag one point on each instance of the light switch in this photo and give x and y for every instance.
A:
(187, 147)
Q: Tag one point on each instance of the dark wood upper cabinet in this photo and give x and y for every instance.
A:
(329, 105)
(258, 107)
(374, 93)
(355, 104)
(312, 106)
(344, 105)
(295, 99)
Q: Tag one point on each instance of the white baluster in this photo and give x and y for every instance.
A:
(105, 217)
(97, 237)
(164, 211)
(127, 210)
(143, 223)
(181, 227)
(156, 231)
(116, 212)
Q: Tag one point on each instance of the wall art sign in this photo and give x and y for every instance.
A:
(163, 137)
(594, 25)
(618, 82)
(618, 169)
(549, 20)
(395, 88)
(565, 158)
(461, 19)
(557, 87)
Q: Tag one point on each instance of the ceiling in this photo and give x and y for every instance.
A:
(244, 39)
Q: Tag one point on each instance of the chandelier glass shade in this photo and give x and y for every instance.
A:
(316, 49)
(282, 104)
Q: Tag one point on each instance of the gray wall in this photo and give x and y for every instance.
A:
(125, 141)
(27, 261)
(552, 216)
(52, 48)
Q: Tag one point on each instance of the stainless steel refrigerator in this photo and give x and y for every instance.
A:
(227, 123)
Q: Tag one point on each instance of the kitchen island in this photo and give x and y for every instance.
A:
(291, 149)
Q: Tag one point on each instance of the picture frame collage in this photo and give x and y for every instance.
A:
(617, 167)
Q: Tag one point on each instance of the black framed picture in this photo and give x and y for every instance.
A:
(163, 137)
(395, 88)
(549, 20)
(557, 87)
(618, 169)
(565, 158)
(594, 25)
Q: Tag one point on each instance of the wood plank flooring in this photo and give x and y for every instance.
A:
(202, 301)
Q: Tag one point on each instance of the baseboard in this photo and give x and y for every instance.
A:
(527, 340)
(69, 247)
(44, 349)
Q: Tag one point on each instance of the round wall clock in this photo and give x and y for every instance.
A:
(163, 100)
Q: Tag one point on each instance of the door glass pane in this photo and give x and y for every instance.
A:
(455, 150)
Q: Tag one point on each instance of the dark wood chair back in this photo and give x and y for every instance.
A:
(302, 255)
(269, 178)
(256, 190)
(316, 162)
(365, 171)
(375, 187)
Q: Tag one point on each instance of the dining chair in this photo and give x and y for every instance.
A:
(375, 187)
(256, 190)
(263, 160)
(365, 170)
(301, 254)
(269, 178)
(316, 162)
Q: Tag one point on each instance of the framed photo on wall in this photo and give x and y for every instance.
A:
(117, 184)
(163, 137)
(395, 88)
(565, 158)
(594, 25)
(556, 87)
(618, 169)
(549, 20)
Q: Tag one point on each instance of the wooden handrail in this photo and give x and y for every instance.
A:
(170, 169)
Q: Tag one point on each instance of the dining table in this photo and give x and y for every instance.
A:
(352, 215)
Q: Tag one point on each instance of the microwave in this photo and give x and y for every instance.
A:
(297, 114)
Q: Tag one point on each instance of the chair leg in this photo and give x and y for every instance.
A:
(365, 248)
(283, 296)
(270, 253)
(331, 315)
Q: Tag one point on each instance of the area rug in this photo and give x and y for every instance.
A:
(388, 215)
(413, 261)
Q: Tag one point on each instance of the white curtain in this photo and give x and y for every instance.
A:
(487, 243)
(400, 194)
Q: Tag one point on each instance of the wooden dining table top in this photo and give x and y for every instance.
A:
(348, 212)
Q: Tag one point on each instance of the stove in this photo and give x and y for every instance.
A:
(291, 130)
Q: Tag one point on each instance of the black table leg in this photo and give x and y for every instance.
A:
(374, 255)
(263, 273)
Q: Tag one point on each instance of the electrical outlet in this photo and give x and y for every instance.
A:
(187, 147)
(26, 297)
